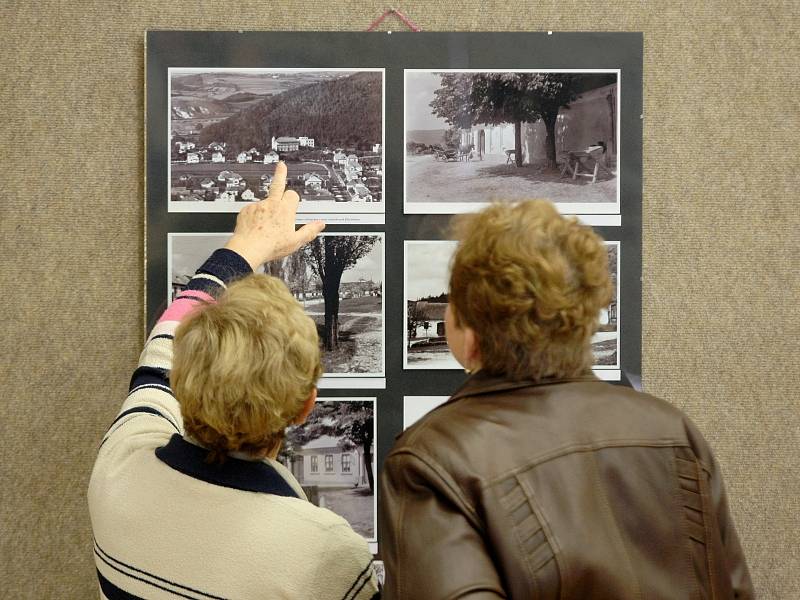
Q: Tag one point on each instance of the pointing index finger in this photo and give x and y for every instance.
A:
(278, 184)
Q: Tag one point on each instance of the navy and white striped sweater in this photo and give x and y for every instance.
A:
(168, 525)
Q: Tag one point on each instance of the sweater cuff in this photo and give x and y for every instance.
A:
(226, 265)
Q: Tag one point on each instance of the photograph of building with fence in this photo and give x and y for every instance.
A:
(426, 283)
(332, 455)
(338, 278)
(230, 127)
(426, 278)
(605, 342)
(476, 136)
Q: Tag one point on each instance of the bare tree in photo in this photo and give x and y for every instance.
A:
(352, 422)
(495, 98)
(294, 272)
(330, 257)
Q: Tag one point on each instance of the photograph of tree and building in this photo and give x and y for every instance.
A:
(427, 272)
(332, 455)
(338, 278)
(230, 127)
(476, 136)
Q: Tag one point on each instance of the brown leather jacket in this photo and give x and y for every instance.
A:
(566, 489)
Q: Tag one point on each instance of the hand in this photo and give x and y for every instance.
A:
(265, 230)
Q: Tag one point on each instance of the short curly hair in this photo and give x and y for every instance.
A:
(530, 283)
(244, 366)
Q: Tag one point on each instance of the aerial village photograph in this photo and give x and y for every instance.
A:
(332, 456)
(338, 279)
(427, 274)
(230, 127)
(476, 136)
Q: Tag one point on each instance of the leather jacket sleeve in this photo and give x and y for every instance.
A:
(732, 553)
(431, 541)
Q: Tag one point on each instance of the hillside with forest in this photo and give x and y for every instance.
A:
(341, 112)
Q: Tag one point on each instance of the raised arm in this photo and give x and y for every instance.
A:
(265, 231)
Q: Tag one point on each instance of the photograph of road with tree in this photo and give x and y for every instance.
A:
(230, 127)
(338, 278)
(476, 136)
(332, 455)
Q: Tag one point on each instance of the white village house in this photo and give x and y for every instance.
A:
(291, 144)
(271, 157)
(230, 178)
(243, 157)
(285, 144)
(323, 463)
(432, 314)
(589, 119)
(362, 193)
(192, 158)
(339, 158)
(217, 157)
(313, 181)
(248, 195)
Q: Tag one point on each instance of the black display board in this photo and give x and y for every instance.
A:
(392, 54)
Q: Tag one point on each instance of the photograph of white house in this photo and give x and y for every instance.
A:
(245, 121)
(332, 455)
(472, 137)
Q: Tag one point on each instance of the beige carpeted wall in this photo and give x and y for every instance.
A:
(721, 243)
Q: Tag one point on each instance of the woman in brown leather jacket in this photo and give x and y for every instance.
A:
(536, 479)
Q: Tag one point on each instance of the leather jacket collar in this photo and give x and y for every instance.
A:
(484, 383)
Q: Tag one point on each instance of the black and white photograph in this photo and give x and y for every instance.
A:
(605, 342)
(380, 571)
(472, 137)
(332, 456)
(427, 273)
(338, 278)
(228, 129)
(416, 407)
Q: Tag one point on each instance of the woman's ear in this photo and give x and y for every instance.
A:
(308, 406)
(472, 349)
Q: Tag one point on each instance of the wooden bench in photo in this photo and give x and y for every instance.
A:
(592, 160)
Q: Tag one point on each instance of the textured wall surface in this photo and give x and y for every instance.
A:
(721, 325)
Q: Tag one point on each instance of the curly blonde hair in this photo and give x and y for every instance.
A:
(243, 367)
(530, 283)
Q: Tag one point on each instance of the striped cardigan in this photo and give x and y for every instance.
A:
(168, 525)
